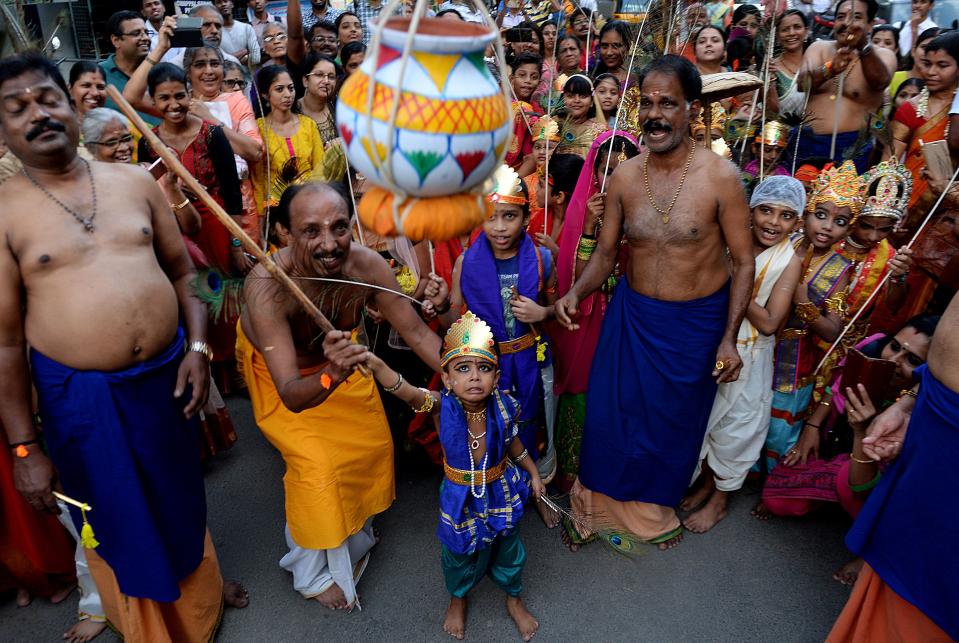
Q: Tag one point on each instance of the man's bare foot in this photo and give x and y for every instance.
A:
(568, 540)
(700, 492)
(549, 516)
(761, 511)
(672, 542)
(334, 598)
(24, 598)
(525, 623)
(83, 631)
(455, 622)
(712, 512)
(848, 574)
(235, 595)
(61, 595)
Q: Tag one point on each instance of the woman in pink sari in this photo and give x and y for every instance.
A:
(573, 350)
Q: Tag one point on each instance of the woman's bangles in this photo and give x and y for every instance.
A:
(586, 247)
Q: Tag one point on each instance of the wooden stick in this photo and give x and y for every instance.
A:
(173, 165)
(71, 501)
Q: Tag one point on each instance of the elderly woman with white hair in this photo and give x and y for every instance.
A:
(740, 416)
(106, 135)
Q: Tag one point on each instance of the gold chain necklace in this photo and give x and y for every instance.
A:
(649, 192)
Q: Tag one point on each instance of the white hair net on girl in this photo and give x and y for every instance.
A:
(784, 191)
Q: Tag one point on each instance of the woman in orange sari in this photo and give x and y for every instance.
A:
(925, 119)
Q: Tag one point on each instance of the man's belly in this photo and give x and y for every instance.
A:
(677, 281)
(852, 115)
(105, 324)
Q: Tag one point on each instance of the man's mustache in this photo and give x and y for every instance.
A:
(336, 254)
(657, 126)
(47, 125)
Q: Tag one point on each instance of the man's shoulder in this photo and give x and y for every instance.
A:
(110, 68)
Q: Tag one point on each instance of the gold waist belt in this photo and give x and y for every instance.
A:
(464, 477)
(516, 345)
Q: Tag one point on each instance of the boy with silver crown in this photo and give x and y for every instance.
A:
(488, 470)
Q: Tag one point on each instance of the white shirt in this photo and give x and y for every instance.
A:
(906, 36)
(510, 20)
(240, 36)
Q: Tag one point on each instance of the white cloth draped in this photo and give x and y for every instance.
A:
(316, 570)
(740, 416)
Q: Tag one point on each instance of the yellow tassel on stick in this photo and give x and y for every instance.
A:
(87, 539)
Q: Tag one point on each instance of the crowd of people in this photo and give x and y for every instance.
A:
(678, 290)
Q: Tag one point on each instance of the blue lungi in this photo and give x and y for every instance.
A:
(120, 443)
(812, 145)
(650, 394)
(908, 529)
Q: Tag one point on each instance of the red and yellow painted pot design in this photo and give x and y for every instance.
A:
(452, 122)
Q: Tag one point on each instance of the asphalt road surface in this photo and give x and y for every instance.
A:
(743, 581)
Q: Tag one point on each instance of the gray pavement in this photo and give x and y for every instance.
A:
(743, 581)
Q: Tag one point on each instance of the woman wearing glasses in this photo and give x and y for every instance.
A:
(106, 136)
(317, 102)
(234, 78)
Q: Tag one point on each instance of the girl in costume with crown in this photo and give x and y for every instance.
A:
(510, 283)
(888, 190)
(816, 318)
(489, 472)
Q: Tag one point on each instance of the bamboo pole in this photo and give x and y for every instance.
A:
(173, 165)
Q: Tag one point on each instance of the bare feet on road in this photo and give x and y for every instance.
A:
(761, 512)
(848, 574)
(455, 622)
(549, 516)
(235, 595)
(711, 513)
(672, 542)
(701, 491)
(334, 598)
(83, 631)
(525, 623)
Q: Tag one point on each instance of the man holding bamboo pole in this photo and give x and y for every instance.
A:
(94, 276)
(325, 419)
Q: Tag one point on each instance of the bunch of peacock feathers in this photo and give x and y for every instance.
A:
(289, 174)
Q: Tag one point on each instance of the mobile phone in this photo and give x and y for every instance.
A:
(187, 32)
(518, 34)
(157, 169)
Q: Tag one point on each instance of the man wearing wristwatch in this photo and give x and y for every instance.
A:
(847, 77)
(325, 419)
(95, 278)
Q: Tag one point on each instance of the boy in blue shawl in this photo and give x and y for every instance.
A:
(488, 471)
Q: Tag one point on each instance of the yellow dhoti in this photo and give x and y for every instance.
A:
(338, 455)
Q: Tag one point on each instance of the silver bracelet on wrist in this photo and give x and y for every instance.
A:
(395, 387)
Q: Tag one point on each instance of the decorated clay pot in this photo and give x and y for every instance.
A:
(452, 122)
